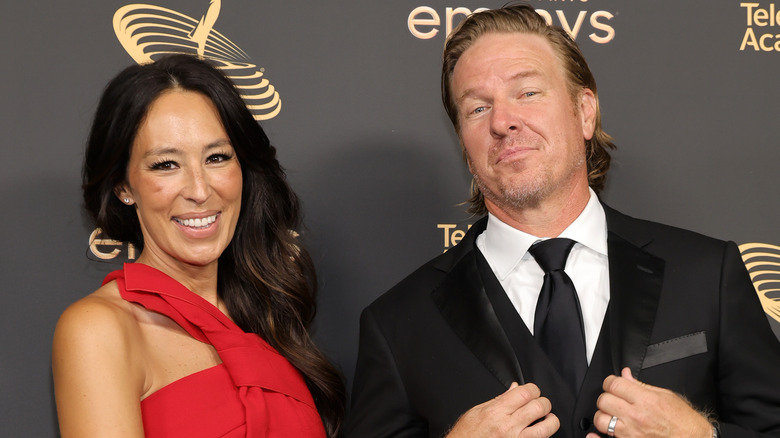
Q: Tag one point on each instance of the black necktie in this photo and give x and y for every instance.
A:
(558, 319)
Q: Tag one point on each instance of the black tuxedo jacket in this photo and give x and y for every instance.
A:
(682, 315)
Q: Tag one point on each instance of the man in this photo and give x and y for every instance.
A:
(669, 337)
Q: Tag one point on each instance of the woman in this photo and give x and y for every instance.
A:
(206, 334)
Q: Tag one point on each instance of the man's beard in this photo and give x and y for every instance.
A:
(528, 194)
(516, 197)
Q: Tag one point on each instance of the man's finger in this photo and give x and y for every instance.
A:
(532, 411)
(610, 404)
(628, 389)
(518, 396)
(545, 428)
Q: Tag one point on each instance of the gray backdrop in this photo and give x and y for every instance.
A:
(688, 89)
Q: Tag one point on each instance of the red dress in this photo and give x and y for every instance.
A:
(254, 392)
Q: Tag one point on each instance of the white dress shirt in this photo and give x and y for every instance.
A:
(506, 251)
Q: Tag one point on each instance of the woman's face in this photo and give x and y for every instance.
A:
(185, 181)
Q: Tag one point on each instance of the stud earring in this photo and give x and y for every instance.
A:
(127, 201)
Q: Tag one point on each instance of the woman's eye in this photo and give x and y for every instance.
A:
(218, 158)
(163, 165)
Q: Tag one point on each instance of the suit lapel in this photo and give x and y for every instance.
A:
(635, 281)
(463, 303)
(635, 278)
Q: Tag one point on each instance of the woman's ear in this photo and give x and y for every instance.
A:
(124, 194)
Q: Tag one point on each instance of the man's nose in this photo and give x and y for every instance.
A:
(504, 119)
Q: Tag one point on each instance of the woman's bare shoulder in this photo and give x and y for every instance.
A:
(101, 314)
(97, 365)
(99, 329)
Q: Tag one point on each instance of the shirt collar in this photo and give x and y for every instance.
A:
(505, 246)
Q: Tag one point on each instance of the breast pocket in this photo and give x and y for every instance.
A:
(675, 349)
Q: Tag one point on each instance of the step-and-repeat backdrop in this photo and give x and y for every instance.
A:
(349, 93)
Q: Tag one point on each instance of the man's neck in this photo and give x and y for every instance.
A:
(546, 219)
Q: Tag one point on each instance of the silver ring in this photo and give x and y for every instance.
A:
(611, 427)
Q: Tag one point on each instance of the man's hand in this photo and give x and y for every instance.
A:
(647, 411)
(511, 414)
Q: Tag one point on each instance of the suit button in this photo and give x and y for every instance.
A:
(585, 424)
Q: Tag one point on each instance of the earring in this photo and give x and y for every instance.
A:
(127, 201)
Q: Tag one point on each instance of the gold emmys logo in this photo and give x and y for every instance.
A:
(148, 32)
(763, 264)
(424, 22)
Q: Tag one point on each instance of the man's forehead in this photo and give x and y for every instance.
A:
(520, 46)
(508, 57)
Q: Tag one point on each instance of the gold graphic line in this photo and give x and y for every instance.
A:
(748, 246)
(255, 75)
(262, 85)
(267, 94)
(270, 104)
(751, 265)
(755, 255)
(260, 95)
(275, 112)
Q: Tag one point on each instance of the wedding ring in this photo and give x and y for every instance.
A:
(611, 427)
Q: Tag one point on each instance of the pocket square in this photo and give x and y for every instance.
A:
(673, 349)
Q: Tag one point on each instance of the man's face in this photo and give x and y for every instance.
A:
(523, 133)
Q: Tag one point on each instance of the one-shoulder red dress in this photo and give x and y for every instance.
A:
(254, 392)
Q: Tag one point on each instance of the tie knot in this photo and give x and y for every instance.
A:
(551, 254)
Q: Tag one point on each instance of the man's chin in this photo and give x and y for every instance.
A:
(516, 199)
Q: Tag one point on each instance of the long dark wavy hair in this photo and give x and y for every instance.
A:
(522, 18)
(265, 277)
